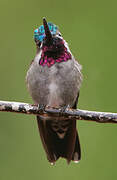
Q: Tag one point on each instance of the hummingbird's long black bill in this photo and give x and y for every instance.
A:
(47, 31)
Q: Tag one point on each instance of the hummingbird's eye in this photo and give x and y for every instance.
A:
(38, 43)
(59, 34)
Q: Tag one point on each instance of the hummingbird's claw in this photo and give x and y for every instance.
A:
(41, 108)
(63, 109)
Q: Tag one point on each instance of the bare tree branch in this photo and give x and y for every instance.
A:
(18, 107)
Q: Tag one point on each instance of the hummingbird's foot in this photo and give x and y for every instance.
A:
(63, 109)
(41, 108)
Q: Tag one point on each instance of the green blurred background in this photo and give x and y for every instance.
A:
(90, 28)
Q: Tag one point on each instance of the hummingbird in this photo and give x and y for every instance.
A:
(54, 79)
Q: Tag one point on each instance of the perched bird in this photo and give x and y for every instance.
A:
(54, 79)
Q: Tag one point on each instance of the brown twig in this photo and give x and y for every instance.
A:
(18, 107)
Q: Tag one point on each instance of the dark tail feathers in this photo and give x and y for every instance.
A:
(68, 147)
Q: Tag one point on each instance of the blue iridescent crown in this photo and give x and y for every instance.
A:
(39, 33)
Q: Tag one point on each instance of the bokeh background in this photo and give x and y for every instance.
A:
(90, 28)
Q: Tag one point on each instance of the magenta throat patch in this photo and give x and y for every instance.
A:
(51, 56)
